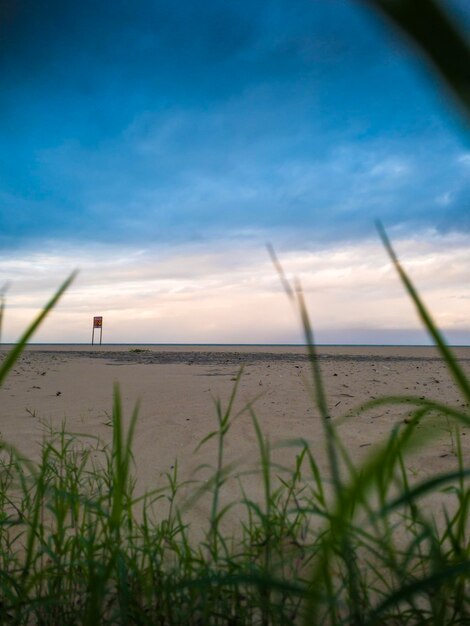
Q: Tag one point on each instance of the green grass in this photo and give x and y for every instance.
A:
(356, 544)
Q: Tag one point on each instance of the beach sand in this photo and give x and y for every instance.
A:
(177, 389)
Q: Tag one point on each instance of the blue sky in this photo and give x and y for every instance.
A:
(170, 131)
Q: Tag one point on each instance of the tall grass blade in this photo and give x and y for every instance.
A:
(2, 312)
(452, 363)
(15, 352)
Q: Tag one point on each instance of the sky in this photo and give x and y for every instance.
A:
(157, 146)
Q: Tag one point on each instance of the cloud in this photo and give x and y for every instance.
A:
(464, 159)
(229, 293)
(181, 123)
(167, 183)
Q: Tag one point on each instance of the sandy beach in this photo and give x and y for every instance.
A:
(177, 389)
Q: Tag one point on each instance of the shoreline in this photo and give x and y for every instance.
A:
(237, 354)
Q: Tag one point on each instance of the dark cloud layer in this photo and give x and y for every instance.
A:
(176, 121)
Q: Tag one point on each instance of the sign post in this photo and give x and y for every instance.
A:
(97, 323)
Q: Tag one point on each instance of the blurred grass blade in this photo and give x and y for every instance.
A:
(295, 294)
(444, 576)
(3, 292)
(379, 465)
(320, 393)
(280, 270)
(452, 363)
(438, 37)
(2, 311)
(432, 485)
(19, 347)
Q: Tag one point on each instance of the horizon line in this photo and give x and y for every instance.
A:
(275, 345)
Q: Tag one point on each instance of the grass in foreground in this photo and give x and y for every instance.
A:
(352, 546)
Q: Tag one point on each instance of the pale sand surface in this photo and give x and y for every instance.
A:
(177, 387)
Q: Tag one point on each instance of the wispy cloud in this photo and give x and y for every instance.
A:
(230, 294)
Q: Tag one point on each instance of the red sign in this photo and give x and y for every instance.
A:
(97, 322)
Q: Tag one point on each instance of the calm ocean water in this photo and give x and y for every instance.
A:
(248, 345)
